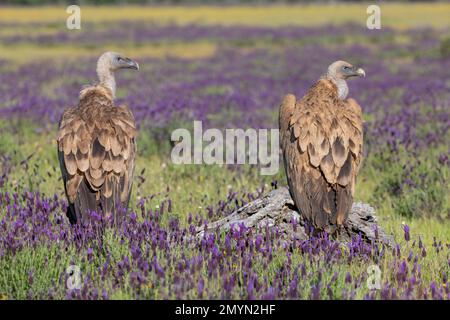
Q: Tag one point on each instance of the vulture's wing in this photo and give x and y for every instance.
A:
(97, 149)
(321, 139)
(125, 126)
(72, 177)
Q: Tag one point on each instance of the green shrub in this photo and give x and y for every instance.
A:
(415, 186)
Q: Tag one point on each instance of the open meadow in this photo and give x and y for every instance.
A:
(230, 68)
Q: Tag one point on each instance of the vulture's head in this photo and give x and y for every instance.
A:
(342, 70)
(108, 63)
(112, 61)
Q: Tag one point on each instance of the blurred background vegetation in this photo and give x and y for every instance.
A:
(174, 2)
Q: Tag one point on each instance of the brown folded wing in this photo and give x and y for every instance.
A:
(97, 147)
(321, 139)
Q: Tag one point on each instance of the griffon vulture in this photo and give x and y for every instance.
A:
(97, 147)
(321, 141)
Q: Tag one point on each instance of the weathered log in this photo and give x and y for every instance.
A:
(278, 209)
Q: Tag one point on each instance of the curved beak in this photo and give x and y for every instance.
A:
(360, 72)
(130, 64)
(135, 66)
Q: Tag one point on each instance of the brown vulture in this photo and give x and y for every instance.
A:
(97, 147)
(321, 142)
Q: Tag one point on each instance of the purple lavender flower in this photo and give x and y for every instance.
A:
(406, 232)
(348, 278)
(90, 254)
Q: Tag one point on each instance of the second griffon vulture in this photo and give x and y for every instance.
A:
(321, 140)
(97, 147)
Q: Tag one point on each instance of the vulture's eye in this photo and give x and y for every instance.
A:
(346, 68)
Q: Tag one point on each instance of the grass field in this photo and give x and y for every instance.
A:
(228, 67)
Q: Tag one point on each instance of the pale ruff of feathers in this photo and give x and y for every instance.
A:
(341, 84)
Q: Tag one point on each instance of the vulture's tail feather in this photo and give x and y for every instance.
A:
(85, 202)
(112, 205)
(344, 204)
(70, 213)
